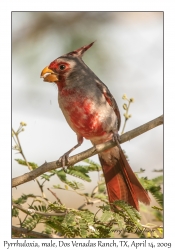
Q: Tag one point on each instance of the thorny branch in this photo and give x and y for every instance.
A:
(88, 153)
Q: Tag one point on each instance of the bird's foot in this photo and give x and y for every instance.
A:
(64, 161)
(116, 138)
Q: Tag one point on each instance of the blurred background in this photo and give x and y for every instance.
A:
(127, 56)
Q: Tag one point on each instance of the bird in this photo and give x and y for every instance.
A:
(92, 112)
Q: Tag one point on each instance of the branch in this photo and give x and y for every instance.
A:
(46, 167)
(55, 195)
(32, 211)
(19, 230)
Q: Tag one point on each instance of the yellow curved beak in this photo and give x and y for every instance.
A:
(49, 75)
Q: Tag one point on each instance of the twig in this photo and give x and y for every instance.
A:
(19, 230)
(126, 107)
(89, 202)
(27, 214)
(25, 159)
(151, 227)
(20, 148)
(46, 167)
(54, 194)
(32, 211)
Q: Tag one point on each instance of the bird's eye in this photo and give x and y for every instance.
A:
(62, 66)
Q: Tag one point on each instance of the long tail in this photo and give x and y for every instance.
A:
(121, 182)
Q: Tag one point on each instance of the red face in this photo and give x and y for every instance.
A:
(55, 71)
(58, 68)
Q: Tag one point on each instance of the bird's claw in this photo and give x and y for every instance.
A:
(116, 138)
(63, 160)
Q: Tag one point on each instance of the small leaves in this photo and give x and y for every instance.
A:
(40, 208)
(127, 116)
(157, 208)
(100, 196)
(23, 124)
(46, 177)
(23, 199)
(79, 172)
(69, 219)
(126, 107)
(124, 97)
(101, 187)
(157, 194)
(106, 216)
(22, 162)
(31, 222)
(129, 210)
(154, 187)
(82, 223)
(93, 166)
(15, 212)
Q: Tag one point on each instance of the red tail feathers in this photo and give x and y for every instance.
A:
(121, 182)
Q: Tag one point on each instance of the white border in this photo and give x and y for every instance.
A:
(5, 94)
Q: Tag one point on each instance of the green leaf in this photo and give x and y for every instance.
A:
(100, 196)
(83, 228)
(22, 162)
(105, 207)
(93, 166)
(158, 215)
(75, 185)
(153, 186)
(158, 180)
(155, 191)
(129, 210)
(31, 222)
(157, 208)
(56, 207)
(15, 212)
(101, 187)
(47, 230)
(40, 208)
(119, 220)
(54, 224)
(57, 186)
(61, 175)
(69, 220)
(106, 216)
(79, 172)
(87, 216)
(23, 198)
(46, 177)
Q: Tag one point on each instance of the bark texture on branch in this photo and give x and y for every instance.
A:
(88, 153)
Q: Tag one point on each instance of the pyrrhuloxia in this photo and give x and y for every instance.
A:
(92, 112)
